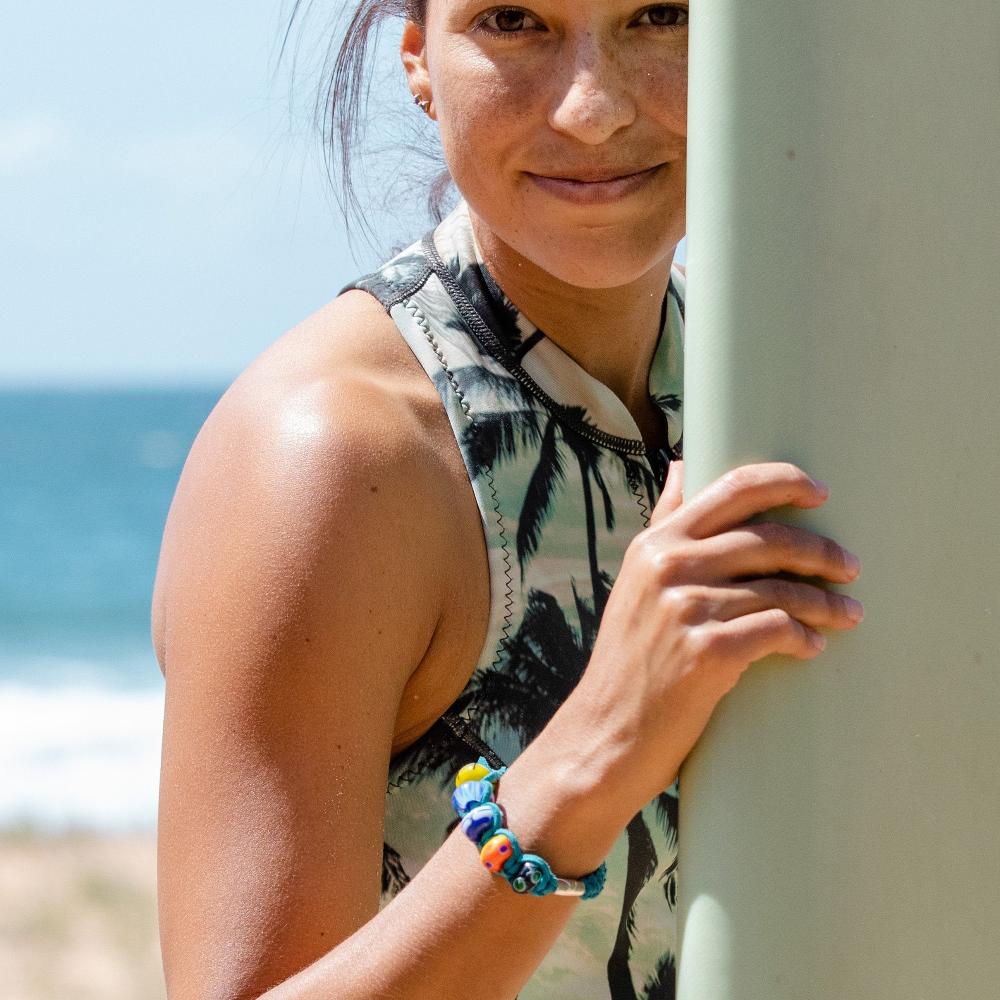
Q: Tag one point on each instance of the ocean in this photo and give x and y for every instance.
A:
(86, 479)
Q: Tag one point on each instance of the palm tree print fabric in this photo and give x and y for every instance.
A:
(563, 482)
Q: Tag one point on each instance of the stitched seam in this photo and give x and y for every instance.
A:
(408, 290)
(405, 778)
(633, 485)
(508, 598)
(464, 731)
(383, 291)
(489, 342)
(425, 328)
(508, 578)
(421, 320)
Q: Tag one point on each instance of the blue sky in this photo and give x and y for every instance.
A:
(164, 211)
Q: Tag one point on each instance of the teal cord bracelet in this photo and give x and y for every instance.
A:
(474, 799)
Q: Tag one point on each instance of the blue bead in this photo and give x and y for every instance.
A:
(528, 875)
(481, 820)
(471, 794)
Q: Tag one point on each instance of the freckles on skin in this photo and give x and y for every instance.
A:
(673, 81)
(552, 105)
(487, 120)
(478, 98)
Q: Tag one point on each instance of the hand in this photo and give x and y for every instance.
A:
(696, 602)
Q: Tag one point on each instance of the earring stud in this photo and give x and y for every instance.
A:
(422, 103)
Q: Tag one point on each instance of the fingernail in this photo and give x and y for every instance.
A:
(821, 486)
(853, 563)
(818, 640)
(855, 610)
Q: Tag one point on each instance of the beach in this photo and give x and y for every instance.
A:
(87, 477)
(78, 919)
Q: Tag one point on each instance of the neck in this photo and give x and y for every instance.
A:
(610, 332)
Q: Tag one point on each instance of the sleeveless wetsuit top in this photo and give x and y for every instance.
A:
(564, 482)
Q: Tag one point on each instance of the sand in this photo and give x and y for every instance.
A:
(78, 917)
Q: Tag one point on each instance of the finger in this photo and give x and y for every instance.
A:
(743, 492)
(769, 547)
(812, 606)
(673, 492)
(749, 638)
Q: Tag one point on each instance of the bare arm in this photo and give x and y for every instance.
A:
(299, 589)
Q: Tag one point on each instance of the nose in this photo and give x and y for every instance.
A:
(593, 99)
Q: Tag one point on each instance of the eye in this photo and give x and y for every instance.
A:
(508, 21)
(664, 15)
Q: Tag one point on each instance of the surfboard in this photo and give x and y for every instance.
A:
(840, 818)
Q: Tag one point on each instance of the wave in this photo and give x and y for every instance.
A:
(79, 757)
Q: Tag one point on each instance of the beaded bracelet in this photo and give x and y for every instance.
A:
(483, 822)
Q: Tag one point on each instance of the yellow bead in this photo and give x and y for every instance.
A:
(471, 772)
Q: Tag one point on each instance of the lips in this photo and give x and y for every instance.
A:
(596, 175)
(596, 186)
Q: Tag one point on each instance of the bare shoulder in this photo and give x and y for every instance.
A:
(326, 445)
(299, 603)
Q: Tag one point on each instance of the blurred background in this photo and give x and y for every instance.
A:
(165, 214)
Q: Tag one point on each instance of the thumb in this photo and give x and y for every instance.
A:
(673, 492)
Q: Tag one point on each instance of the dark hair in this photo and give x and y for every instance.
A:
(342, 111)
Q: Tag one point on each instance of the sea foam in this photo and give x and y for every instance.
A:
(79, 757)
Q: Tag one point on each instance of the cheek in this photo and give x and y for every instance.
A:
(477, 99)
(667, 94)
(482, 115)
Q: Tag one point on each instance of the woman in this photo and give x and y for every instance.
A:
(418, 531)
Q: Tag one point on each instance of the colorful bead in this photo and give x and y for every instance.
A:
(482, 822)
(528, 876)
(474, 799)
(471, 794)
(496, 852)
(472, 772)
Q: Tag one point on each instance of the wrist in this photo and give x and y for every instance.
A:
(562, 799)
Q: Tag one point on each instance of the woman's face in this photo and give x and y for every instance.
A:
(564, 125)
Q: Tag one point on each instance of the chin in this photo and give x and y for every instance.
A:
(581, 247)
(602, 258)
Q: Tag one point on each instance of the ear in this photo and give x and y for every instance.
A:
(413, 52)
